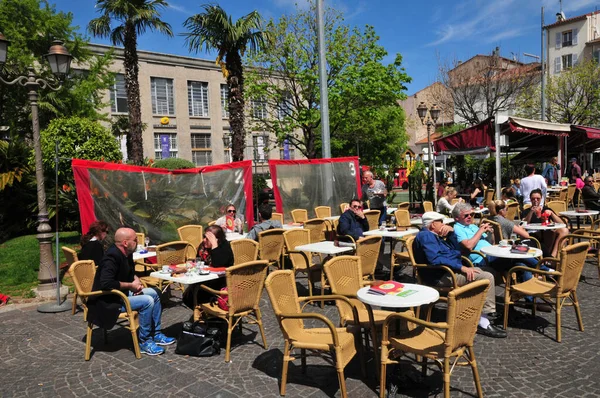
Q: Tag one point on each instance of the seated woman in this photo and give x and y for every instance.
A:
(238, 222)
(216, 252)
(508, 195)
(443, 205)
(91, 243)
(477, 192)
(497, 210)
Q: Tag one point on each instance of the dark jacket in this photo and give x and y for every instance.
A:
(222, 255)
(352, 225)
(93, 250)
(115, 267)
(431, 249)
(591, 198)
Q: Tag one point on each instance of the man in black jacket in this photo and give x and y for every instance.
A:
(353, 222)
(116, 271)
(591, 198)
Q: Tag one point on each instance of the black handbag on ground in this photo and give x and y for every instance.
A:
(197, 342)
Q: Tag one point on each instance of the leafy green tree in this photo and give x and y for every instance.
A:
(173, 164)
(31, 26)
(572, 97)
(77, 138)
(133, 17)
(363, 92)
(213, 29)
(451, 129)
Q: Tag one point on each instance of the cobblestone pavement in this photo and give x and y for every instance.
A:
(42, 356)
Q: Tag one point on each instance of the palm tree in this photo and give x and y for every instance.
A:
(134, 17)
(213, 29)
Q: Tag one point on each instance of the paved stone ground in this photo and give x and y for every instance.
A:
(42, 356)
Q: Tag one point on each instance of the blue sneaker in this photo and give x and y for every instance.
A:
(149, 347)
(161, 339)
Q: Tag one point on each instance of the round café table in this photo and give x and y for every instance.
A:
(540, 227)
(504, 252)
(579, 214)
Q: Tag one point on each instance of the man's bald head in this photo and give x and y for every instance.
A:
(126, 240)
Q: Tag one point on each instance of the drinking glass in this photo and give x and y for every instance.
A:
(146, 241)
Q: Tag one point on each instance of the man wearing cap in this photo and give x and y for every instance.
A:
(436, 245)
(575, 171)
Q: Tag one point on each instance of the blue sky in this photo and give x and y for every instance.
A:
(422, 31)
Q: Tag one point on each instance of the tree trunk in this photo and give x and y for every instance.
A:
(235, 81)
(135, 148)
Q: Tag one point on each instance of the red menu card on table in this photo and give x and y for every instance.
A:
(386, 287)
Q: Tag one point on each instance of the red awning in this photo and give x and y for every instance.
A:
(475, 139)
(591, 132)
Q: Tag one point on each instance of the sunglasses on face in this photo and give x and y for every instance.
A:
(537, 199)
(468, 215)
(231, 211)
(357, 207)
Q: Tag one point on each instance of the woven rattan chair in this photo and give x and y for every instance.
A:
(555, 291)
(402, 256)
(454, 201)
(83, 273)
(427, 206)
(176, 252)
(71, 257)
(563, 195)
(278, 217)
(488, 195)
(402, 219)
(526, 206)
(244, 286)
(192, 234)
(211, 223)
(572, 188)
(299, 215)
(141, 237)
(302, 261)
(343, 207)
(512, 211)
(367, 249)
(244, 250)
(404, 206)
(270, 246)
(322, 211)
(439, 341)
(557, 206)
(592, 234)
(496, 229)
(372, 218)
(317, 227)
(339, 342)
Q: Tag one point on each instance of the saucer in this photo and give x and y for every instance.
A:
(164, 272)
(204, 272)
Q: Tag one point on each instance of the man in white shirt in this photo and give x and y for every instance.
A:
(531, 182)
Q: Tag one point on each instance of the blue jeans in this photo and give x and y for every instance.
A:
(149, 311)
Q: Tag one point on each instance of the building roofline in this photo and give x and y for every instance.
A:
(573, 19)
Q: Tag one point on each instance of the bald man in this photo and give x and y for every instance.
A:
(116, 271)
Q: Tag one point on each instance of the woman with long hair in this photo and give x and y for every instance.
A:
(91, 243)
(443, 205)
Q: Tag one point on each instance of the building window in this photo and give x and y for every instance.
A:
(259, 108)
(261, 151)
(567, 38)
(224, 101)
(172, 140)
(567, 61)
(118, 95)
(596, 56)
(198, 98)
(201, 149)
(284, 108)
(163, 102)
(292, 153)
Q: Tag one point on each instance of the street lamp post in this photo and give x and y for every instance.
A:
(60, 62)
(434, 114)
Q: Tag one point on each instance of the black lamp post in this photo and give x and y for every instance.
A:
(59, 59)
(434, 114)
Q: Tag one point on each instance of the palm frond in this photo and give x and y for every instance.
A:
(100, 27)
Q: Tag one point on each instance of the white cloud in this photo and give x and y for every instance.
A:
(181, 9)
(507, 34)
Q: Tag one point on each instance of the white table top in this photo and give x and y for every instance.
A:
(184, 280)
(140, 256)
(325, 247)
(332, 218)
(424, 295)
(477, 210)
(391, 210)
(573, 213)
(290, 226)
(540, 227)
(391, 234)
(504, 252)
(419, 221)
(553, 189)
(231, 236)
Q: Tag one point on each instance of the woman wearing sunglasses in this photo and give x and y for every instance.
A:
(238, 222)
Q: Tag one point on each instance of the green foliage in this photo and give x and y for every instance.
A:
(31, 26)
(363, 92)
(173, 164)
(451, 129)
(258, 184)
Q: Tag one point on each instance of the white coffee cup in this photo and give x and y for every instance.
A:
(503, 243)
(165, 269)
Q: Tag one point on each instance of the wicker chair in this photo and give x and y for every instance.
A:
(211, 223)
(192, 234)
(278, 217)
(71, 257)
(83, 273)
(302, 261)
(299, 215)
(555, 291)
(339, 342)
(427, 206)
(563, 194)
(593, 235)
(439, 341)
(488, 195)
(270, 246)
(141, 237)
(244, 286)
(571, 188)
(402, 256)
(404, 206)
(402, 219)
(244, 250)
(512, 211)
(176, 252)
(557, 206)
(372, 218)
(454, 201)
(343, 207)
(367, 249)
(317, 227)
(322, 211)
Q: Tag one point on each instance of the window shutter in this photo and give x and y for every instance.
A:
(557, 65)
(558, 40)
(574, 33)
(573, 59)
